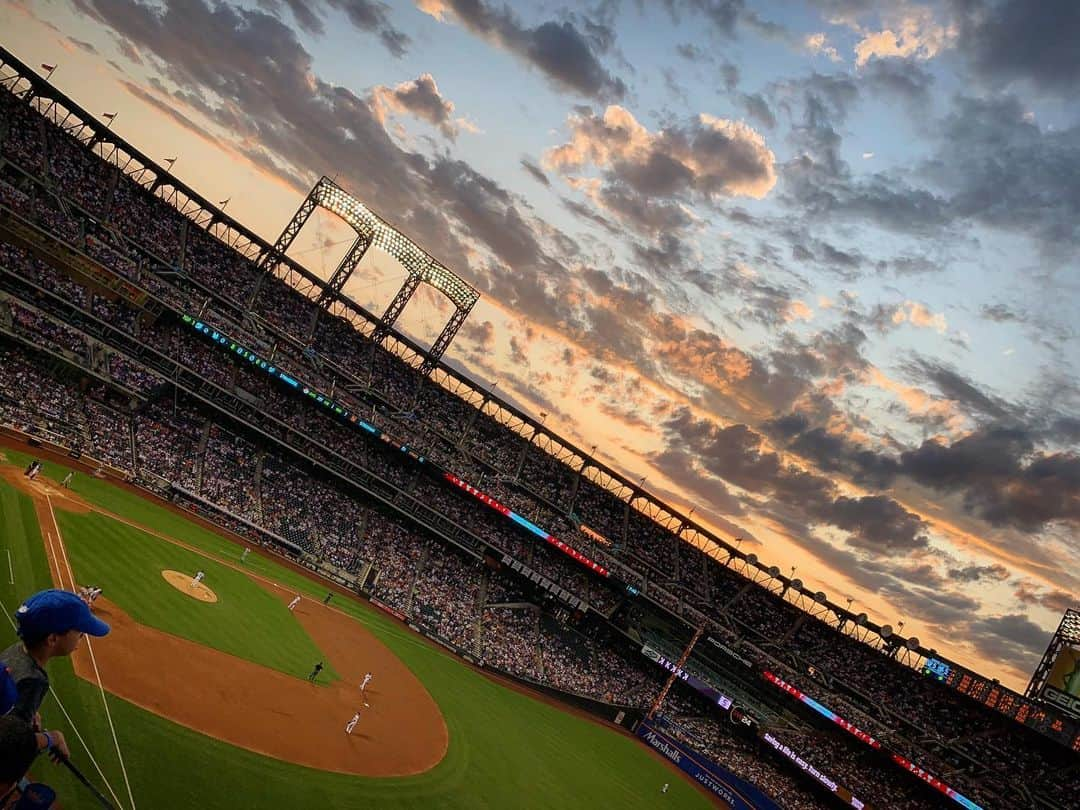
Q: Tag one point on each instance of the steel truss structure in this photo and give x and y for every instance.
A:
(1067, 634)
(421, 266)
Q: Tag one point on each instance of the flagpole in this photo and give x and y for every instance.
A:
(50, 68)
(110, 117)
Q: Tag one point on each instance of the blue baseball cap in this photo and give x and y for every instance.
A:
(56, 611)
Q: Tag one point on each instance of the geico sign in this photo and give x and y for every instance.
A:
(1062, 700)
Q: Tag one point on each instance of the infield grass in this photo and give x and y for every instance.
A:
(246, 621)
(507, 750)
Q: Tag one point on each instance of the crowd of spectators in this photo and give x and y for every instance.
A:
(474, 444)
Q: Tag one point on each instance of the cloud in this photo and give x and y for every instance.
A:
(737, 454)
(905, 79)
(999, 313)
(818, 44)
(1054, 600)
(1002, 477)
(1010, 41)
(758, 109)
(913, 32)
(955, 386)
(536, 172)
(645, 176)
(364, 15)
(83, 45)
(1002, 170)
(886, 317)
(420, 98)
(979, 573)
(565, 55)
(1012, 637)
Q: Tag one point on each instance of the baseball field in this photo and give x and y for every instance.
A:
(206, 703)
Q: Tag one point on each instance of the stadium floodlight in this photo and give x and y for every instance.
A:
(371, 229)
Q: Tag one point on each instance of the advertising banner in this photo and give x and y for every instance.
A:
(738, 793)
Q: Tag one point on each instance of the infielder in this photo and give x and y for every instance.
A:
(315, 672)
(367, 680)
(198, 578)
(66, 483)
(243, 556)
(352, 723)
(294, 602)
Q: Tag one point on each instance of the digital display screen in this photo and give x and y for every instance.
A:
(842, 792)
(1009, 703)
(938, 670)
(825, 712)
(936, 783)
(524, 522)
(926, 776)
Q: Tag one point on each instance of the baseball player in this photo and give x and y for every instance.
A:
(294, 602)
(244, 556)
(363, 685)
(66, 483)
(664, 789)
(315, 672)
(199, 575)
(328, 597)
(352, 723)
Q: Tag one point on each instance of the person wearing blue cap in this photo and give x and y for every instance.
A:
(51, 624)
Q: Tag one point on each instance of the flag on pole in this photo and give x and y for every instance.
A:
(48, 67)
(224, 202)
(110, 116)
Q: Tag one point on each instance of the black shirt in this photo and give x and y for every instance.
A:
(30, 679)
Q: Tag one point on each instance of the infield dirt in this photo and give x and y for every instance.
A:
(401, 732)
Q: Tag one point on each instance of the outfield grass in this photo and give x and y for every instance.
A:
(506, 750)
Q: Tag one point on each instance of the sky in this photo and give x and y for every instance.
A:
(809, 268)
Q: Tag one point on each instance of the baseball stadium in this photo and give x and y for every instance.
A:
(338, 573)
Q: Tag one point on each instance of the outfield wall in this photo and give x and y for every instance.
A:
(738, 793)
(625, 716)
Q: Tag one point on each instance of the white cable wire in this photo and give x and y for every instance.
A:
(93, 659)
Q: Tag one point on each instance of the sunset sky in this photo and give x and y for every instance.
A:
(812, 268)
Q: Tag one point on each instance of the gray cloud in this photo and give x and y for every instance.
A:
(1012, 637)
(536, 172)
(647, 177)
(979, 573)
(734, 454)
(1000, 169)
(1004, 480)
(1011, 40)
(422, 99)
(366, 15)
(565, 55)
(955, 386)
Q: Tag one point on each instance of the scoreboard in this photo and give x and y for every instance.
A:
(1004, 700)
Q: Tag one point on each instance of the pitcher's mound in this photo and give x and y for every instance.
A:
(182, 582)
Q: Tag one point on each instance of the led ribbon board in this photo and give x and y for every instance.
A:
(926, 776)
(566, 549)
(256, 361)
(823, 779)
(827, 713)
